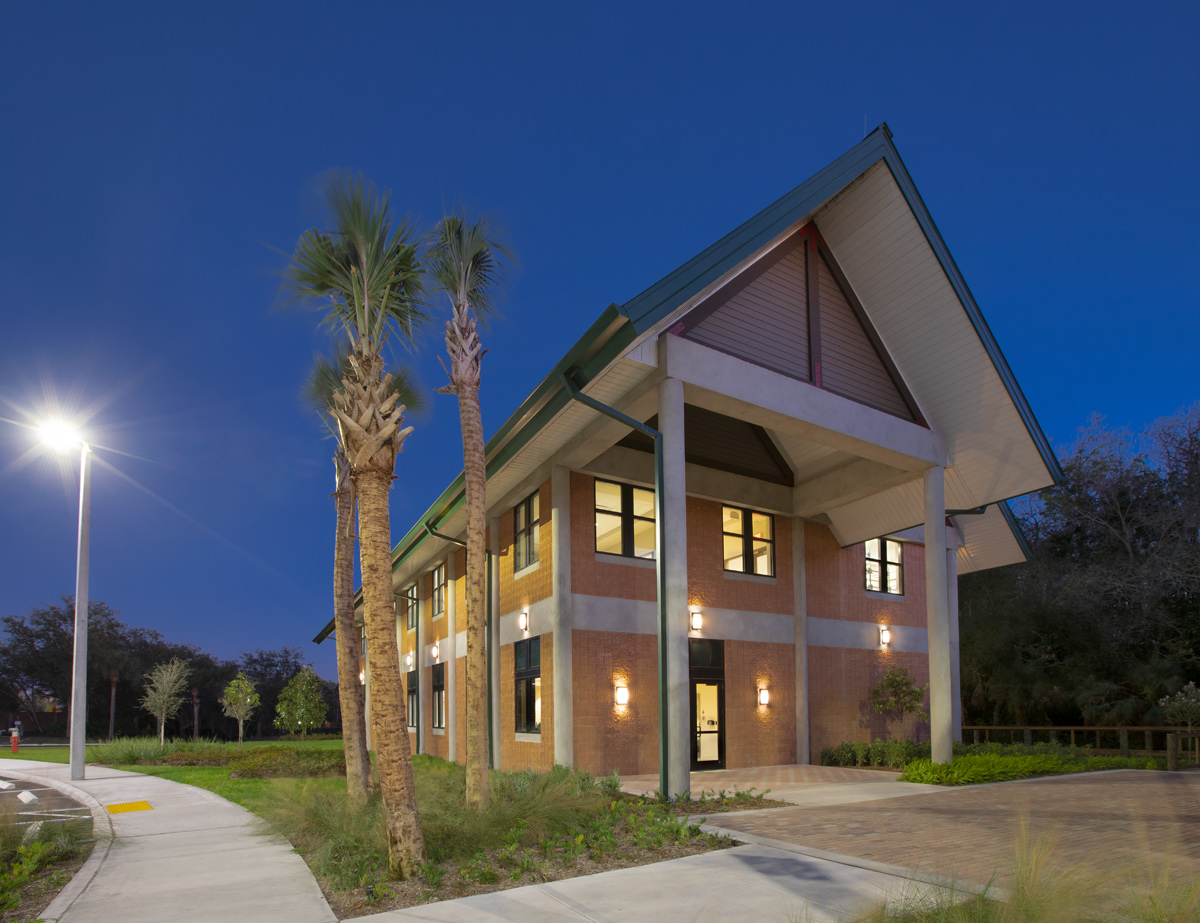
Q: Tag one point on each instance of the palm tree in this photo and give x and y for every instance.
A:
(366, 275)
(324, 381)
(465, 259)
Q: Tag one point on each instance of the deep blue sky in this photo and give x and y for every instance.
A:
(152, 155)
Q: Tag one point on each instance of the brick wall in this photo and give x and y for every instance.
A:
(533, 585)
(610, 736)
(835, 583)
(710, 585)
(519, 754)
(600, 578)
(759, 735)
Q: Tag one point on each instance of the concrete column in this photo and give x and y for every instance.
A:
(494, 635)
(450, 654)
(800, 635)
(673, 523)
(938, 616)
(560, 530)
(955, 661)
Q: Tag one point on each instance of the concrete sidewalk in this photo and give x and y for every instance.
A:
(193, 856)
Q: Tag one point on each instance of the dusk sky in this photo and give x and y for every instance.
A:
(160, 160)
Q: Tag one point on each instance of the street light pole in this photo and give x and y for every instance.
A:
(79, 670)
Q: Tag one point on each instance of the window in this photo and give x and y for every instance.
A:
(525, 533)
(527, 656)
(410, 685)
(624, 520)
(885, 566)
(749, 541)
(439, 590)
(408, 598)
(439, 695)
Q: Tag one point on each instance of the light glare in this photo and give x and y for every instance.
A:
(59, 434)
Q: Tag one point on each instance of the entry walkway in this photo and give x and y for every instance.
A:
(175, 853)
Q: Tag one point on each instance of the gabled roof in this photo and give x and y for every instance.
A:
(621, 328)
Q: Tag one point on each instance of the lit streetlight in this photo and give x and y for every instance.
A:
(61, 435)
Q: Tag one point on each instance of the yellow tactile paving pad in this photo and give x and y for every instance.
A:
(129, 806)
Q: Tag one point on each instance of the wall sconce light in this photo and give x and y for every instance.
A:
(885, 636)
(696, 620)
(523, 621)
(408, 661)
(622, 695)
(764, 697)
(435, 651)
(362, 677)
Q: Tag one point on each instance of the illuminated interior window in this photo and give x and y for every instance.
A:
(624, 520)
(884, 566)
(527, 662)
(748, 541)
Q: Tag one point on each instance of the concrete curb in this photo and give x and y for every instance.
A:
(101, 830)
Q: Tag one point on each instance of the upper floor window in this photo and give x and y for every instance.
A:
(439, 590)
(749, 541)
(525, 532)
(408, 599)
(624, 520)
(885, 566)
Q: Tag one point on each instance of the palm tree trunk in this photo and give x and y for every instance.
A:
(406, 847)
(475, 485)
(350, 695)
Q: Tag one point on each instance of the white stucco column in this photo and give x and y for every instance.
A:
(560, 540)
(494, 635)
(955, 661)
(800, 635)
(450, 654)
(938, 616)
(673, 522)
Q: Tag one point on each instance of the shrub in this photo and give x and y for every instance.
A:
(294, 762)
(977, 768)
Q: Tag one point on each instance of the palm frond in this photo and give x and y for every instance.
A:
(467, 258)
(364, 271)
(325, 379)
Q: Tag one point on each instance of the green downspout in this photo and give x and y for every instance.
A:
(487, 627)
(660, 566)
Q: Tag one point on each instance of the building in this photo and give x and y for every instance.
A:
(838, 431)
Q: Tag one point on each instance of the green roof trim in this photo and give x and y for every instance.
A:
(1018, 533)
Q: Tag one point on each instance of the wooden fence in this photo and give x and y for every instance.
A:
(1107, 740)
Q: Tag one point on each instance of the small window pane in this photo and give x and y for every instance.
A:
(733, 553)
(893, 576)
(643, 539)
(521, 651)
(873, 576)
(732, 520)
(643, 502)
(519, 554)
(535, 535)
(608, 496)
(535, 652)
(519, 515)
(761, 525)
(893, 552)
(762, 559)
(536, 514)
(608, 533)
(873, 549)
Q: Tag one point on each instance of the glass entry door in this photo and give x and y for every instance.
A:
(708, 716)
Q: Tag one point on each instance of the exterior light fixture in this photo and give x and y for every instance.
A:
(696, 620)
(362, 677)
(885, 636)
(523, 621)
(764, 696)
(408, 661)
(622, 695)
(435, 651)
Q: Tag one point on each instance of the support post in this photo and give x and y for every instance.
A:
(800, 637)
(560, 534)
(79, 666)
(941, 715)
(673, 523)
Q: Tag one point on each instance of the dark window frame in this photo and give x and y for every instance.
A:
(525, 677)
(412, 698)
(628, 519)
(438, 594)
(748, 539)
(526, 536)
(884, 565)
(438, 705)
(412, 603)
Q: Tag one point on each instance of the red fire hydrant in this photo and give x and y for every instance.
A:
(16, 739)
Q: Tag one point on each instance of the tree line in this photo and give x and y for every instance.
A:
(36, 667)
(1103, 622)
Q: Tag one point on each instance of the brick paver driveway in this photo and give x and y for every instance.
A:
(1110, 821)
